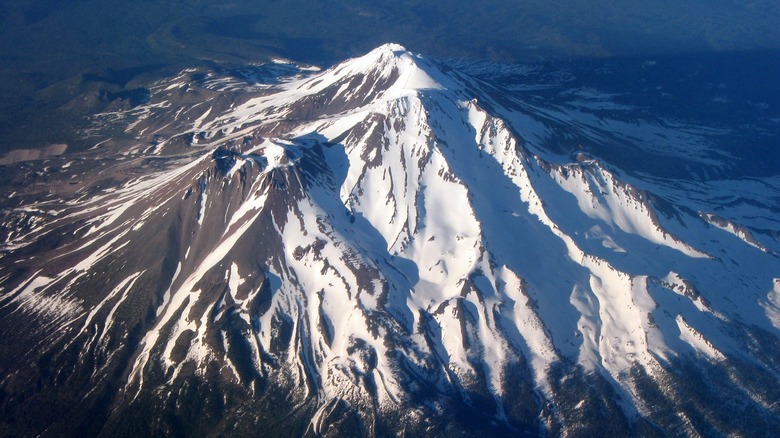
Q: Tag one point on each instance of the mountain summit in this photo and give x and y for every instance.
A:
(390, 69)
(385, 247)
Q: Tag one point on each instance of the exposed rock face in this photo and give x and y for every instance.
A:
(372, 250)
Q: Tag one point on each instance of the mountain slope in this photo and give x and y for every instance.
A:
(376, 248)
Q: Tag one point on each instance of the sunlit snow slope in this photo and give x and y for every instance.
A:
(380, 247)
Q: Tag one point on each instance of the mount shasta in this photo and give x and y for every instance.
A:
(392, 246)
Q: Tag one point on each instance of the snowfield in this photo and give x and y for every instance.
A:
(388, 238)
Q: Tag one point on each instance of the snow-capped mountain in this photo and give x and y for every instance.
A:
(389, 246)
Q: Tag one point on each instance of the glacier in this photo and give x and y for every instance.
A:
(386, 246)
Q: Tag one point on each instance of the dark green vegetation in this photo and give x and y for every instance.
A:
(61, 60)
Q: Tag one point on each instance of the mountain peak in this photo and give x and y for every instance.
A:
(392, 70)
(384, 74)
(394, 48)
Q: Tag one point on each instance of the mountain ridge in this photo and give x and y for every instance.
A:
(368, 249)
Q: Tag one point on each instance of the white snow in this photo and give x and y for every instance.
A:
(432, 212)
(697, 341)
(771, 304)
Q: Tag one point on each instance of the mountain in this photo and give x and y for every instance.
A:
(392, 246)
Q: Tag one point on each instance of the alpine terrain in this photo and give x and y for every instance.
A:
(392, 246)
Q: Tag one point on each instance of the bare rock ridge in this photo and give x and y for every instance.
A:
(384, 247)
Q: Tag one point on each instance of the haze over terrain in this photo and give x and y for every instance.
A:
(53, 51)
